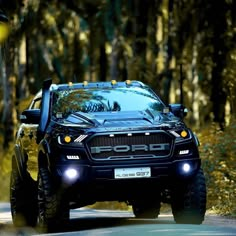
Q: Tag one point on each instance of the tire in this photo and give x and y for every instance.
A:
(146, 210)
(188, 201)
(53, 211)
(23, 198)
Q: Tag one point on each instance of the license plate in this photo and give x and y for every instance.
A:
(128, 173)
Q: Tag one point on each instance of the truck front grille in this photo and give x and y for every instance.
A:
(130, 146)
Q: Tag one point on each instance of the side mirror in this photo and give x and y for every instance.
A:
(31, 116)
(178, 110)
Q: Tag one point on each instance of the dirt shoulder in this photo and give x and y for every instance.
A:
(214, 219)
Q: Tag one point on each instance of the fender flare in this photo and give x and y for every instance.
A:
(45, 149)
(196, 139)
(20, 161)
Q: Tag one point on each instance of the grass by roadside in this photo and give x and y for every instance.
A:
(218, 153)
(5, 170)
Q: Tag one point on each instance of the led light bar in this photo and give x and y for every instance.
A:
(183, 152)
(80, 138)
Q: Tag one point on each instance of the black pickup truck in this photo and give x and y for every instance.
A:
(80, 143)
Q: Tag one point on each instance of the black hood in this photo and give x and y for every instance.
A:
(130, 119)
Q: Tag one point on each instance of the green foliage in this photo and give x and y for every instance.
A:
(218, 149)
(110, 205)
(5, 172)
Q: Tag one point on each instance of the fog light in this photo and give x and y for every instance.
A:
(186, 167)
(71, 174)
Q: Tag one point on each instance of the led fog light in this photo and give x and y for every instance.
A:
(186, 168)
(71, 174)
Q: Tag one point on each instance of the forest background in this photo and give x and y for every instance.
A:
(184, 49)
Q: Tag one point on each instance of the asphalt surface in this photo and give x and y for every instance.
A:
(92, 222)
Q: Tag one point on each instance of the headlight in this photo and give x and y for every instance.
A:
(180, 135)
(66, 139)
(183, 133)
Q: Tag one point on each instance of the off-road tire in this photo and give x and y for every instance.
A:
(53, 213)
(23, 198)
(188, 200)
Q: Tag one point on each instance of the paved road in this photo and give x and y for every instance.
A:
(89, 222)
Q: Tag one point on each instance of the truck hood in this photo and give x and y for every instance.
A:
(125, 119)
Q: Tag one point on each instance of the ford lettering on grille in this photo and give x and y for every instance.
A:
(132, 148)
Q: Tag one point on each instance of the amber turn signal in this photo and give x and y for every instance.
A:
(67, 139)
(183, 134)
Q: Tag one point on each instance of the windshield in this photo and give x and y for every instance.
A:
(104, 100)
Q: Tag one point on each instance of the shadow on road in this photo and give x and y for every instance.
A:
(88, 223)
(85, 221)
(103, 222)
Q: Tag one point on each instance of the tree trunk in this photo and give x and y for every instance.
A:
(218, 93)
(9, 82)
(153, 47)
(140, 35)
(91, 50)
(168, 78)
(103, 62)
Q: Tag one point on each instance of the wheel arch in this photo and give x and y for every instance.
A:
(20, 161)
(43, 153)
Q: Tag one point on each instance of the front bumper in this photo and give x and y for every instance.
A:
(89, 184)
(82, 173)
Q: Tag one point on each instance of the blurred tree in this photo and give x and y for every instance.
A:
(230, 72)
(138, 10)
(8, 75)
(132, 39)
(219, 32)
(92, 12)
(202, 47)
